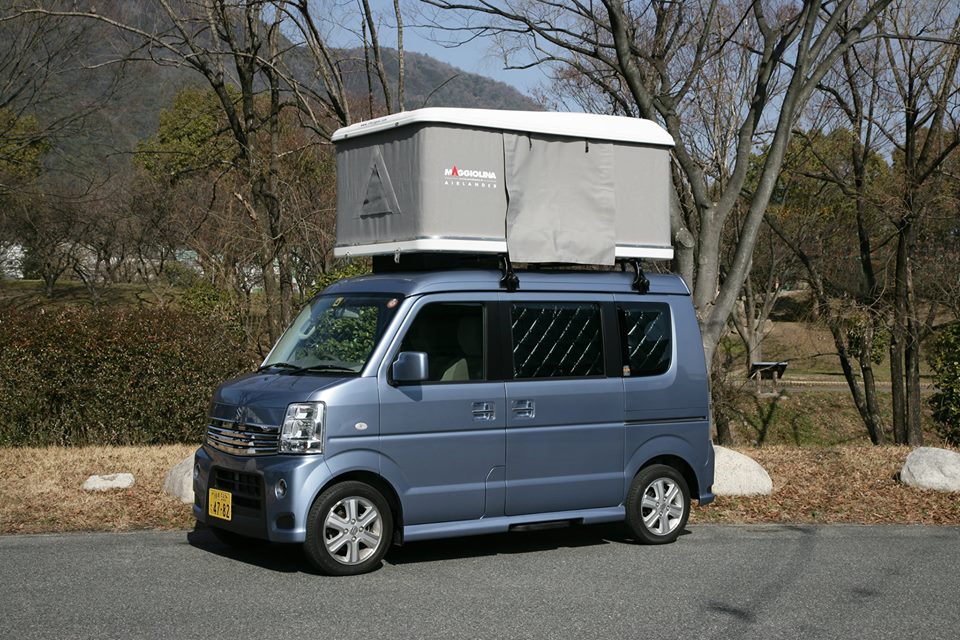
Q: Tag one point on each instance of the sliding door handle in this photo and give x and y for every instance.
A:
(524, 408)
(484, 411)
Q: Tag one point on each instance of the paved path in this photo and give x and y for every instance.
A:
(715, 582)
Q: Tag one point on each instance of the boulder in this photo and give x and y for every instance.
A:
(179, 481)
(738, 475)
(108, 482)
(931, 468)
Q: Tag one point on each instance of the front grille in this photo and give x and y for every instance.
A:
(242, 439)
(246, 488)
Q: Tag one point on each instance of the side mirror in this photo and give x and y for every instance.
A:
(411, 366)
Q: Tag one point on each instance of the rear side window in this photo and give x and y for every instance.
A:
(645, 333)
(556, 339)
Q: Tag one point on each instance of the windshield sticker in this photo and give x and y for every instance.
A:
(393, 302)
(337, 302)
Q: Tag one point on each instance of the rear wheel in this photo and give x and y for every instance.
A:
(349, 529)
(658, 504)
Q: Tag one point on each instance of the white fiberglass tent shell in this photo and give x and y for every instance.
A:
(540, 186)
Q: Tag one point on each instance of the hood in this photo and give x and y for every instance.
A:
(262, 398)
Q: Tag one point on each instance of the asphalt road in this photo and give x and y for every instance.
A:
(715, 582)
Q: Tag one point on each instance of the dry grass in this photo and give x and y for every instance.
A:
(40, 490)
(854, 484)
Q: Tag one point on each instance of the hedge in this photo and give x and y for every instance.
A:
(944, 358)
(111, 377)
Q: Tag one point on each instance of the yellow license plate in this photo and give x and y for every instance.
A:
(220, 504)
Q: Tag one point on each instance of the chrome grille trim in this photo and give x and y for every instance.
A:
(243, 439)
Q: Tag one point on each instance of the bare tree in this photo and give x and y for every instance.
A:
(314, 22)
(237, 46)
(846, 161)
(923, 79)
(771, 268)
(49, 228)
(654, 58)
(895, 96)
(38, 55)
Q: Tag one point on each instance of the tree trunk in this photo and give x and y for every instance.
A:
(49, 280)
(898, 341)
(754, 349)
(722, 423)
(898, 399)
(282, 255)
(913, 407)
(871, 418)
(905, 343)
(270, 291)
(860, 398)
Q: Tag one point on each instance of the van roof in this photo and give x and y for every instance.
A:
(419, 282)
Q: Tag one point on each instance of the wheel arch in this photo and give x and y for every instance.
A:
(670, 450)
(379, 483)
(678, 463)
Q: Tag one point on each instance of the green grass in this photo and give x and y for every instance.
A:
(30, 295)
(811, 417)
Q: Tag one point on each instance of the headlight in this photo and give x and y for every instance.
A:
(302, 430)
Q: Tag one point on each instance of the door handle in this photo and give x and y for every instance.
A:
(524, 408)
(484, 411)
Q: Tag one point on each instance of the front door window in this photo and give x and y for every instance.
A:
(452, 336)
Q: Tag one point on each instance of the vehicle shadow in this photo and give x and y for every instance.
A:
(289, 558)
(282, 558)
(515, 542)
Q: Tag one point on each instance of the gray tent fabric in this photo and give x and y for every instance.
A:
(561, 201)
(443, 181)
(379, 197)
(541, 198)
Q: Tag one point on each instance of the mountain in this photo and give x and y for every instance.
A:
(432, 83)
(124, 107)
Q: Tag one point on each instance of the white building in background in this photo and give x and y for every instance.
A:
(11, 261)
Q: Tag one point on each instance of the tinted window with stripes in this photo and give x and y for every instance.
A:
(646, 334)
(556, 339)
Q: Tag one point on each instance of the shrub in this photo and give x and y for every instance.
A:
(944, 358)
(110, 377)
(347, 269)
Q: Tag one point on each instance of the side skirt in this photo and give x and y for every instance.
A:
(502, 524)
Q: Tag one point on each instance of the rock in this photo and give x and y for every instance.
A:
(108, 482)
(931, 468)
(179, 481)
(738, 475)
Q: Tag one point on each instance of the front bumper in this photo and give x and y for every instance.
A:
(258, 511)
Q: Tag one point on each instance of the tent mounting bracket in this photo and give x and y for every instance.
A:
(508, 279)
(641, 284)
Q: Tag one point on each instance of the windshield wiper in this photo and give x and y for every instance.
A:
(324, 367)
(278, 365)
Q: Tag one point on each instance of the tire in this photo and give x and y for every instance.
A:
(658, 504)
(349, 529)
(235, 540)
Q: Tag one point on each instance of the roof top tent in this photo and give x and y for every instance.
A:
(540, 187)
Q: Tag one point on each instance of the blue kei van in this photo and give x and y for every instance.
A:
(415, 405)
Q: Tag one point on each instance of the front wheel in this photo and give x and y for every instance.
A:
(349, 529)
(658, 504)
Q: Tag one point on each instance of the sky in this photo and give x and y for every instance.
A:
(475, 56)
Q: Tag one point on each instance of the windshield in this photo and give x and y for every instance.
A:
(334, 333)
